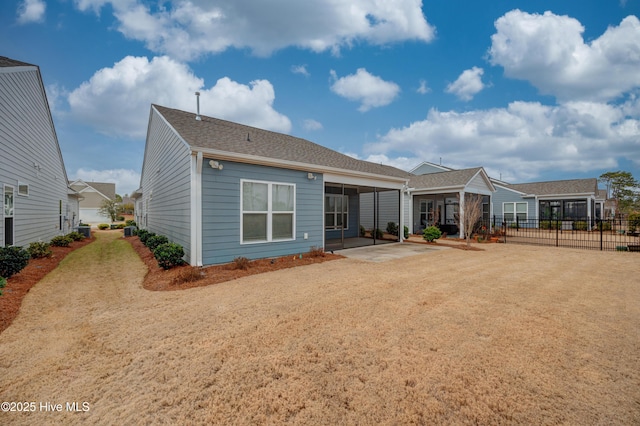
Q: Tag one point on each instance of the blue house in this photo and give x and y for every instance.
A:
(224, 190)
(567, 200)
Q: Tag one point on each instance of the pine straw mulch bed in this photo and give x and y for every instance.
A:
(19, 285)
(185, 277)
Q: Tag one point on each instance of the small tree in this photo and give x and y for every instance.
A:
(109, 208)
(470, 214)
(623, 189)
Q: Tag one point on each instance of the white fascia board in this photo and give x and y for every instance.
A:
(339, 175)
(486, 178)
(510, 189)
(563, 196)
(440, 190)
(362, 181)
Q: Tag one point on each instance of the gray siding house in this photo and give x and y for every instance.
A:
(574, 199)
(92, 195)
(433, 198)
(37, 203)
(224, 190)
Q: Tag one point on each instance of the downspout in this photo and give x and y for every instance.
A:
(196, 210)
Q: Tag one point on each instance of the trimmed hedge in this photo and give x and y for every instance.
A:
(12, 260)
(154, 241)
(39, 250)
(169, 255)
(61, 241)
(431, 233)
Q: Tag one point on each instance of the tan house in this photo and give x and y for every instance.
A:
(92, 194)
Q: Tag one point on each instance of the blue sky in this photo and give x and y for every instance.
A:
(532, 91)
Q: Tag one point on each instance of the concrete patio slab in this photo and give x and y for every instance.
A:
(385, 252)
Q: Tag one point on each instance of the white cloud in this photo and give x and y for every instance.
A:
(370, 90)
(310, 124)
(468, 84)
(188, 29)
(126, 180)
(549, 51)
(521, 141)
(300, 69)
(116, 100)
(423, 89)
(31, 11)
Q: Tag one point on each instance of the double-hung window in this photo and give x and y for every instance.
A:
(514, 210)
(336, 211)
(268, 211)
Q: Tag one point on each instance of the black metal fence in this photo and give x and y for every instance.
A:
(592, 234)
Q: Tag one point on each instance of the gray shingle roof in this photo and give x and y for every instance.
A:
(8, 62)
(572, 186)
(221, 135)
(444, 179)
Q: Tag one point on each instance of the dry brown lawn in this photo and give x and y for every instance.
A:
(508, 335)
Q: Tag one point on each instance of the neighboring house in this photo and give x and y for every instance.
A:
(433, 197)
(37, 203)
(575, 199)
(224, 190)
(92, 195)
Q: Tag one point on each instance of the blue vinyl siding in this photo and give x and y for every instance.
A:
(503, 195)
(221, 216)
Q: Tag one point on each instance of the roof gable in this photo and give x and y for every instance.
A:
(219, 135)
(449, 179)
(558, 187)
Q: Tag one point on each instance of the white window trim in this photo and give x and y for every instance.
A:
(515, 209)
(22, 184)
(270, 212)
(345, 201)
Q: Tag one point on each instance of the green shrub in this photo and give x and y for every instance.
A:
(12, 260)
(363, 231)
(144, 235)
(154, 241)
(168, 254)
(75, 236)
(61, 241)
(605, 225)
(3, 282)
(119, 218)
(406, 232)
(550, 224)
(119, 226)
(579, 225)
(431, 233)
(130, 222)
(392, 228)
(103, 226)
(38, 250)
(377, 233)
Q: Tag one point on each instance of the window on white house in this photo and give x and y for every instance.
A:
(512, 211)
(268, 211)
(336, 211)
(23, 189)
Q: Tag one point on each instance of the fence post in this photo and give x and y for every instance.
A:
(504, 228)
(599, 222)
(557, 232)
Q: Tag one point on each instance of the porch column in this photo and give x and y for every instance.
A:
(461, 214)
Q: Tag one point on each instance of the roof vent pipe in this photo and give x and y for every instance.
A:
(198, 104)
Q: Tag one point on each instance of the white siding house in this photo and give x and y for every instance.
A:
(37, 203)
